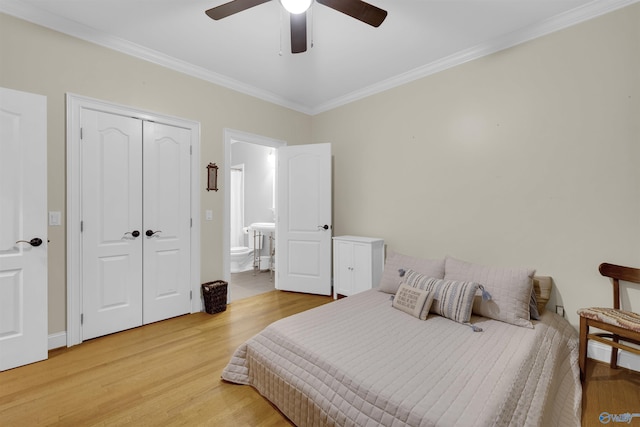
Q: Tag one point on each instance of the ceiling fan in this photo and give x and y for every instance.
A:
(297, 9)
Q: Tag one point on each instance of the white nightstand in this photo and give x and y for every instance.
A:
(357, 264)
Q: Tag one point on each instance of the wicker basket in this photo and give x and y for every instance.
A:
(215, 296)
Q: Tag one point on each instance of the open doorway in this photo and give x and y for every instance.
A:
(249, 213)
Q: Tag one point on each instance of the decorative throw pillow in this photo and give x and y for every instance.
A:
(390, 280)
(414, 301)
(510, 290)
(451, 299)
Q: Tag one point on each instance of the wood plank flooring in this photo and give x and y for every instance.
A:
(615, 391)
(168, 373)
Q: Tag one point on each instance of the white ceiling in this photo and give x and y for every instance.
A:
(250, 51)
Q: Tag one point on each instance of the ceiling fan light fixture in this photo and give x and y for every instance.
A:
(296, 6)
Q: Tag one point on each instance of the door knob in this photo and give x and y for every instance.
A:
(134, 233)
(36, 241)
(150, 233)
(324, 227)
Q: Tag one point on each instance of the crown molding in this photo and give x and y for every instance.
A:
(46, 19)
(572, 17)
(75, 29)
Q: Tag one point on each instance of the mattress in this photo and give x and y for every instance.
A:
(359, 362)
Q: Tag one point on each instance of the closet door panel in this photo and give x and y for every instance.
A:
(111, 223)
(167, 221)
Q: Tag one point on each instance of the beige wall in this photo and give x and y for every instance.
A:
(35, 59)
(528, 157)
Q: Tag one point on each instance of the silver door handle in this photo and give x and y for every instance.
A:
(150, 233)
(323, 227)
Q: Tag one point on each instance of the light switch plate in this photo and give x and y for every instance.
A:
(54, 218)
(208, 215)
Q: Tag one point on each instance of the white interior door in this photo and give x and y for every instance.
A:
(112, 233)
(167, 221)
(303, 224)
(23, 196)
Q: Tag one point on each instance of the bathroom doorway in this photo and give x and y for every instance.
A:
(249, 238)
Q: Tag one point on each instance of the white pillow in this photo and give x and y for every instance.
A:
(510, 290)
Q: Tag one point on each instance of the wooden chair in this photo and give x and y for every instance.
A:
(620, 325)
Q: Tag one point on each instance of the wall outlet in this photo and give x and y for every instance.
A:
(208, 214)
(560, 310)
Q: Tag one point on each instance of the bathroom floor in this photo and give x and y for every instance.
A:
(247, 284)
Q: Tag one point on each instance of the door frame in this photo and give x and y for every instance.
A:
(231, 136)
(75, 104)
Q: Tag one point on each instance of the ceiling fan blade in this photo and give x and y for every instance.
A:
(298, 32)
(365, 12)
(232, 7)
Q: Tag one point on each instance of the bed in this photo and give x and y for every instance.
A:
(359, 361)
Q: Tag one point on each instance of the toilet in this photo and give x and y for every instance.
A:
(241, 257)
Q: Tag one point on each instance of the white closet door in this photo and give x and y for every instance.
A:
(23, 213)
(112, 235)
(136, 222)
(167, 221)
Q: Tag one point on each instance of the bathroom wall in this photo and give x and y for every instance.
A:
(258, 181)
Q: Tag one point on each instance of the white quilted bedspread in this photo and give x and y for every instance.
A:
(360, 362)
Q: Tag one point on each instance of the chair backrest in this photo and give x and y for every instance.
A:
(617, 273)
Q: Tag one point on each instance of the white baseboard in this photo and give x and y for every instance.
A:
(602, 352)
(57, 340)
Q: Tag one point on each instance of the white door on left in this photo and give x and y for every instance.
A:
(23, 228)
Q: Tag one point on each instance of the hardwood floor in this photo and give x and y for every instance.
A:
(168, 373)
(615, 391)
